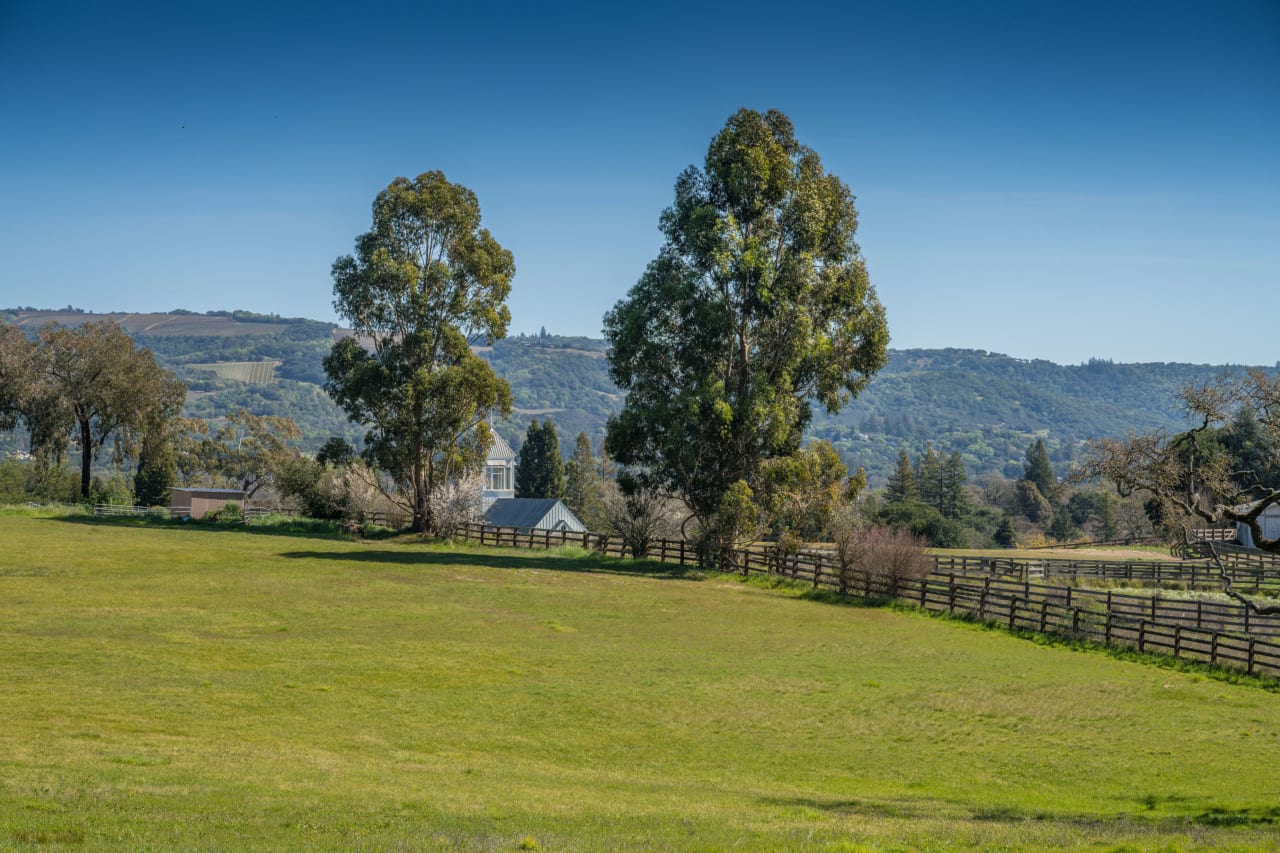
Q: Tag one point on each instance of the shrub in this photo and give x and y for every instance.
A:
(230, 512)
(878, 557)
(924, 521)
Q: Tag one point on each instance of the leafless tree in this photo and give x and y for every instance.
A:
(1185, 473)
(639, 517)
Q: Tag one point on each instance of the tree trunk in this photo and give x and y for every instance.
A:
(86, 457)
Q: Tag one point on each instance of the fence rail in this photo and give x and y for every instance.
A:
(119, 510)
(1245, 577)
(1213, 632)
(1101, 543)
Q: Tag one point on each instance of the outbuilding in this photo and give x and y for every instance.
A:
(533, 514)
(1268, 520)
(194, 503)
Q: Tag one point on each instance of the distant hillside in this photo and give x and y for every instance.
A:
(985, 405)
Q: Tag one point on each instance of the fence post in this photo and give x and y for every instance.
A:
(1253, 641)
(1177, 640)
(1106, 636)
(1075, 621)
(1142, 634)
(1044, 614)
(1013, 611)
(1213, 649)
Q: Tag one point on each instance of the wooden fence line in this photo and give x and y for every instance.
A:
(1201, 574)
(1100, 543)
(1212, 632)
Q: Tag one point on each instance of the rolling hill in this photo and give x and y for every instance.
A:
(986, 405)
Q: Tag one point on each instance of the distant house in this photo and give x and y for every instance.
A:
(534, 514)
(499, 472)
(194, 503)
(1269, 521)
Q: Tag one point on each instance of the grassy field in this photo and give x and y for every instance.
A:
(174, 687)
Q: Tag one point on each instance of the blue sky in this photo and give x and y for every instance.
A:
(1047, 180)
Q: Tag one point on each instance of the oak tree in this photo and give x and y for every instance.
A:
(1191, 474)
(246, 451)
(85, 384)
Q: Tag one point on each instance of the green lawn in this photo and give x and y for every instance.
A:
(182, 687)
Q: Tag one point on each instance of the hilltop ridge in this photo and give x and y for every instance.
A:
(987, 405)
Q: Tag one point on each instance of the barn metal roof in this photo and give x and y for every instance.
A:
(500, 449)
(519, 512)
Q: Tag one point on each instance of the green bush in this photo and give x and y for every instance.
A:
(924, 521)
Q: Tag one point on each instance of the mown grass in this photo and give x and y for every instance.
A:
(179, 687)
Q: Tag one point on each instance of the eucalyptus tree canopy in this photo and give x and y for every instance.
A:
(85, 384)
(757, 305)
(424, 284)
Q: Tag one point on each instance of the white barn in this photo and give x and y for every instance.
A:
(1269, 521)
(533, 514)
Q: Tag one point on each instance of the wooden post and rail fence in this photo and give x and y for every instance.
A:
(1011, 592)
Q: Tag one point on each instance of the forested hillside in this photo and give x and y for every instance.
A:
(985, 405)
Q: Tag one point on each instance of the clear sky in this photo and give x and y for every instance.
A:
(1047, 180)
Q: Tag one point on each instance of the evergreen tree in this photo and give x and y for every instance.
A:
(1062, 528)
(902, 487)
(1005, 536)
(1030, 502)
(539, 469)
(583, 490)
(1039, 470)
(929, 477)
(954, 502)
(157, 470)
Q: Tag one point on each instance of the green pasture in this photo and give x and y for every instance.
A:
(172, 687)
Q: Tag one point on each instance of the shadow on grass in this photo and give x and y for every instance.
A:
(302, 527)
(864, 808)
(587, 563)
(1190, 813)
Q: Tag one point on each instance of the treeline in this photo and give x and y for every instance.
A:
(985, 406)
(932, 497)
